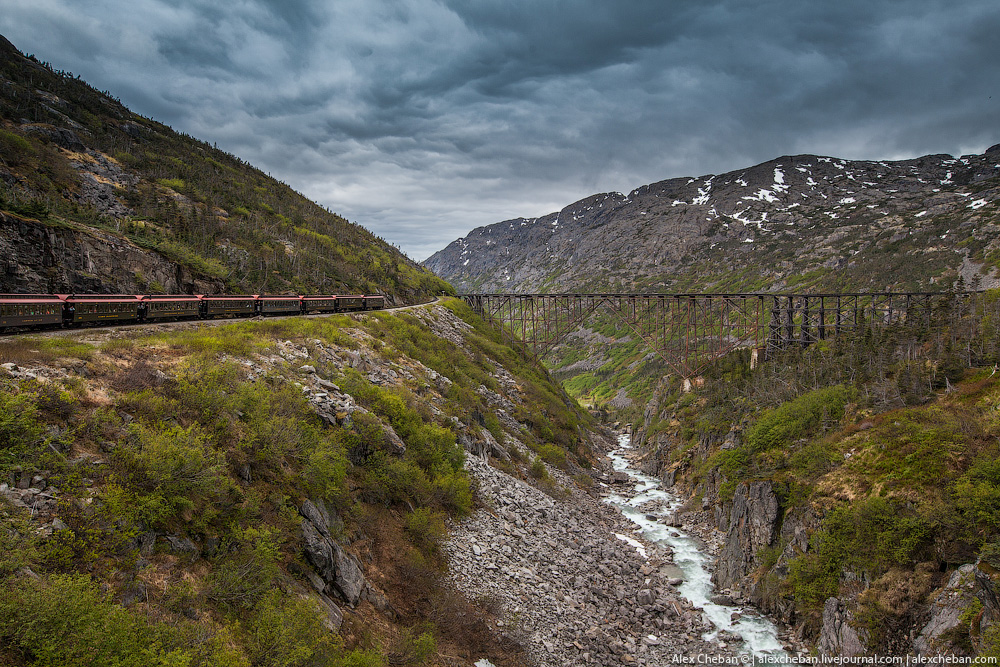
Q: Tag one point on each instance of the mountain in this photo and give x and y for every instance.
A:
(96, 198)
(796, 222)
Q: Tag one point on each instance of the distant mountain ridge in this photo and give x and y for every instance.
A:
(796, 222)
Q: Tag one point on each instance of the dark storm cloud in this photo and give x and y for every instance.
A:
(424, 118)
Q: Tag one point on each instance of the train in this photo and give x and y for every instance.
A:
(19, 312)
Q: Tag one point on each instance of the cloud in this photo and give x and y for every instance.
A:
(422, 119)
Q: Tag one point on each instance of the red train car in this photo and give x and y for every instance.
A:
(374, 302)
(279, 304)
(215, 305)
(168, 306)
(30, 310)
(109, 308)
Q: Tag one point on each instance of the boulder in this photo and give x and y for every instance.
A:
(181, 545)
(334, 617)
(334, 565)
(59, 136)
(318, 515)
(393, 443)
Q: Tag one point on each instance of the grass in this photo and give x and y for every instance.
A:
(26, 349)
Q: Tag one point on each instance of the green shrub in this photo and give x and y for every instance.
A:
(798, 418)
(66, 621)
(20, 429)
(552, 454)
(173, 183)
(15, 148)
(326, 469)
(425, 528)
(242, 577)
(866, 537)
(732, 463)
(175, 468)
(977, 495)
(289, 632)
(413, 647)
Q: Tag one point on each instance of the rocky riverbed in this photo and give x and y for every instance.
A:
(572, 590)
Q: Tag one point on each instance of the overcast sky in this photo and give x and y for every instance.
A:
(422, 119)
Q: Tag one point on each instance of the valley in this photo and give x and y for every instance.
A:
(406, 487)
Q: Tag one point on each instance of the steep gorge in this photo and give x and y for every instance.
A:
(865, 518)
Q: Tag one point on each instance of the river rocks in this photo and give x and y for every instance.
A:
(572, 593)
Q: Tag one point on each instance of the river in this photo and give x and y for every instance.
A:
(759, 634)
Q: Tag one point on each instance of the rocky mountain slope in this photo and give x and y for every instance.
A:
(854, 485)
(797, 222)
(278, 493)
(96, 198)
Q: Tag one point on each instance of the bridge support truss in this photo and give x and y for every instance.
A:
(689, 331)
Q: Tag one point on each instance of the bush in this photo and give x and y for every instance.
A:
(20, 429)
(65, 621)
(15, 148)
(798, 418)
(977, 495)
(425, 529)
(325, 470)
(552, 455)
(285, 632)
(867, 537)
(245, 575)
(174, 468)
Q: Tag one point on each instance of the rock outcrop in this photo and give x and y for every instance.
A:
(950, 608)
(40, 258)
(338, 571)
(838, 637)
(754, 522)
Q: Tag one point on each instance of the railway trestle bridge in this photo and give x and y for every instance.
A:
(690, 331)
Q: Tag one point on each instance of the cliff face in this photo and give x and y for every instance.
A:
(847, 502)
(798, 220)
(57, 260)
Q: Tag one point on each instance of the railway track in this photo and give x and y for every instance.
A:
(155, 327)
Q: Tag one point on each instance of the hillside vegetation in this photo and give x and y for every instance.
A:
(867, 466)
(261, 493)
(126, 204)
